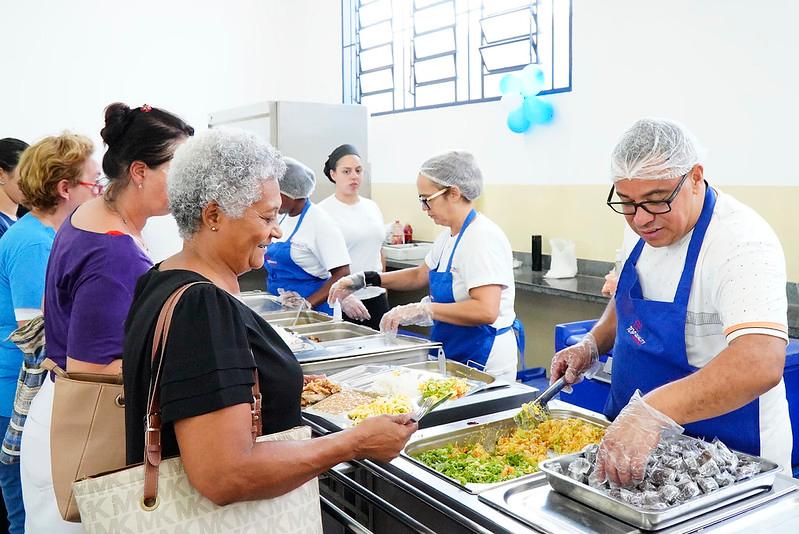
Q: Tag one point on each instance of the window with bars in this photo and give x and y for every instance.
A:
(402, 55)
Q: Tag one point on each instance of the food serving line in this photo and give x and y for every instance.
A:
(407, 495)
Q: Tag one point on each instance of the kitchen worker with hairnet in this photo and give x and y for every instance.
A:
(698, 324)
(469, 273)
(311, 253)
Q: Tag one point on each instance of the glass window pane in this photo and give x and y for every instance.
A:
(498, 6)
(379, 103)
(491, 82)
(439, 93)
(375, 35)
(434, 69)
(434, 17)
(508, 55)
(505, 26)
(375, 81)
(374, 12)
(376, 57)
(434, 43)
(419, 4)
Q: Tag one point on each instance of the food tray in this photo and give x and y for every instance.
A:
(488, 434)
(286, 318)
(331, 331)
(656, 519)
(369, 377)
(454, 368)
(342, 420)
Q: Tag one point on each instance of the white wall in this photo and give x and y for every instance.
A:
(63, 62)
(725, 68)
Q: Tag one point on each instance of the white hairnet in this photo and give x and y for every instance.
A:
(298, 181)
(456, 167)
(654, 149)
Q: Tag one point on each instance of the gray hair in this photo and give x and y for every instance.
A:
(220, 165)
(654, 149)
(456, 167)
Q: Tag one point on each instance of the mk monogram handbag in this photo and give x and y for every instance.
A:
(157, 496)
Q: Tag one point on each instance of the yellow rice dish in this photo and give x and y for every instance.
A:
(514, 455)
(381, 406)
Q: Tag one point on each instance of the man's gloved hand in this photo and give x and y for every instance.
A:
(624, 451)
(346, 286)
(354, 309)
(418, 313)
(576, 362)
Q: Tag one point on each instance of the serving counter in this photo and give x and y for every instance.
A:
(407, 496)
(403, 496)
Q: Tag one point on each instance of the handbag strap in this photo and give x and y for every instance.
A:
(152, 430)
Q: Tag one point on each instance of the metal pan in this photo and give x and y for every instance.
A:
(455, 369)
(286, 318)
(656, 519)
(332, 331)
(487, 434)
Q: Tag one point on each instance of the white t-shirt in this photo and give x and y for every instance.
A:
(483, 257)
(318, 245)
(738, 289)
(361, 224)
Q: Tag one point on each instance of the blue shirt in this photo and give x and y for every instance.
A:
(24, 250)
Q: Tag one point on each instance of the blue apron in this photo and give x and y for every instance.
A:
(469, 345)
(650, 346)
(285, 274)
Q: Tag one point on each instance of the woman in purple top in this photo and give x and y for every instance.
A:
(97, 256)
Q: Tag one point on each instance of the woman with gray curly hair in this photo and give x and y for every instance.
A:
(223, 191)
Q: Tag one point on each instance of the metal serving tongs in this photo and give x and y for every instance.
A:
(536, 412)
(428, 405)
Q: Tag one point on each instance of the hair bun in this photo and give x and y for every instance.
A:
(116, 121)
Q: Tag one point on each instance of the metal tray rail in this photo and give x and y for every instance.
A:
(486, 434)
(656, 519)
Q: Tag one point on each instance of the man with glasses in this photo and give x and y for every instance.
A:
(698, 324)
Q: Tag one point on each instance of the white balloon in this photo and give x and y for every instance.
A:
(512, 101)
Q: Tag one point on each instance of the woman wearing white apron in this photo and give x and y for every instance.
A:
(469, 272)
(698, 323)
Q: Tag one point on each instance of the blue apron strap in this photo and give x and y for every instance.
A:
(299, 222)
(697, 238)
(466, 223)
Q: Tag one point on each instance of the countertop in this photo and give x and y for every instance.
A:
(586, 288)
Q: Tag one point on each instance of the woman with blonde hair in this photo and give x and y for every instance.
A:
(96, 259)
(57, 174)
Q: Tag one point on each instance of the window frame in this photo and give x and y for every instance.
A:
(355, 94)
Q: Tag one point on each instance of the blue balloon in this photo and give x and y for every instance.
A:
(518, 122)
(510, 84)
(538, 111)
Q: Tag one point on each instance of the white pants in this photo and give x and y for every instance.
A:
(35, 469)
(503, 358)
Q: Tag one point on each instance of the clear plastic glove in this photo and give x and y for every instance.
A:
(293, 300)
(354, 309)
(611, 281)
(628, 442)
(576, 362)
(418, 313)
(346, 286)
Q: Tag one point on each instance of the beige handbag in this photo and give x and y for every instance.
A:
(87, 431)
(157, 495)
